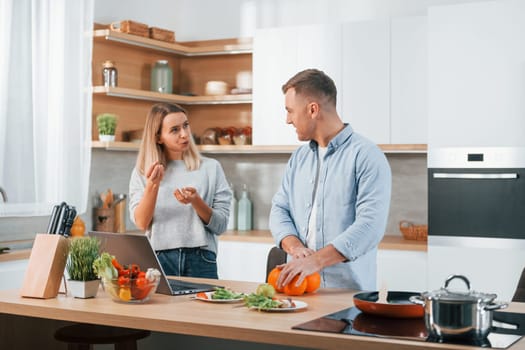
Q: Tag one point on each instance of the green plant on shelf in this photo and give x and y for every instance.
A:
(106, 123)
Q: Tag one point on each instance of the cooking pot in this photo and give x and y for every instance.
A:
(457, 314)
(398, 305)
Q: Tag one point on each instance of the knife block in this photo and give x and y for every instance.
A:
(46, 266)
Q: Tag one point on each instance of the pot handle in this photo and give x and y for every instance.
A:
(495, 306)
(416, 299)
(461, 277)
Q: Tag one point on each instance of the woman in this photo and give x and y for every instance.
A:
(178, 197)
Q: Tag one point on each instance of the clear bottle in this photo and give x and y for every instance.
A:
(109, 74)
(162, 77)
(244, 213)
(232, 220)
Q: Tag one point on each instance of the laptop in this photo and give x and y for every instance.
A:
(132, 248)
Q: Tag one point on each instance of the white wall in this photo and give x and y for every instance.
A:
(212, 19)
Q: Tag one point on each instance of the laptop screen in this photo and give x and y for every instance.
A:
(135, 248)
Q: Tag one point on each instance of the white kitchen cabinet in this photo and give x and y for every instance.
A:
(379, 67)
(12, 273)
(476, 71)
(280, 53)
(402, 270)
(366, 78)
(274, 62)
(242, 261)
(491, 265)
(408, 85)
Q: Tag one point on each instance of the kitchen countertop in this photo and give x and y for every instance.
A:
(393, 242)
(389, 242)
(182, 315)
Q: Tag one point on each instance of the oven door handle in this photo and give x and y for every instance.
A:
(495, 176)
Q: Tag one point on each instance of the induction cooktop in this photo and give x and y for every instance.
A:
(507, 328)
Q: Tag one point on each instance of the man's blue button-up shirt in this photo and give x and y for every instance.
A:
(353, 199)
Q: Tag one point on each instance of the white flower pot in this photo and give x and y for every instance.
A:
(106, 138)
(83, 289)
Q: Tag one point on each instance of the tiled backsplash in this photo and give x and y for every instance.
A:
(260, 172)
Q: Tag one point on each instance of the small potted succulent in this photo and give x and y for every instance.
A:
(82, 280)
(106, 123)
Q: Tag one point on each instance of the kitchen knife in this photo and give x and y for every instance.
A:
(61, 218)
(70, 218)
(51, 227)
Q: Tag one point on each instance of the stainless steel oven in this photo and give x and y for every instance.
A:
(476, 211)
(477, 192)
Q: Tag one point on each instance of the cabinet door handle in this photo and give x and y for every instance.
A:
(476, 176)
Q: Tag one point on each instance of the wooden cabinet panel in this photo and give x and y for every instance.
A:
(192, 65)
(133, 64)
(196, 71)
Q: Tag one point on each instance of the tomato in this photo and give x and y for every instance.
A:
(141, 281)
(202, 295)
(123, 281)
(140, 288)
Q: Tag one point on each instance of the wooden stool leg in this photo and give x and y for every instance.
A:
(126, 345)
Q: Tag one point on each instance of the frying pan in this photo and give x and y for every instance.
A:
(398, 306)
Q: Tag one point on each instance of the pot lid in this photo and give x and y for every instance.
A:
(445, 294)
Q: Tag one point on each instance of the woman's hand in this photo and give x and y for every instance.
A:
(186, 195)
(189, 195)
(155, 174)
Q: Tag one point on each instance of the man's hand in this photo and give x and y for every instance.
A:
(303, 267)
(306, 265)
(301, 252)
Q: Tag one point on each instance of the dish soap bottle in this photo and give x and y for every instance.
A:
(232, 220)
(244, 214)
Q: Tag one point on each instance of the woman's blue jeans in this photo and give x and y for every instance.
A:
(190, 262)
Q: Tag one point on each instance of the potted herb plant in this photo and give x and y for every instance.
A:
(106, 123)
(83, 281)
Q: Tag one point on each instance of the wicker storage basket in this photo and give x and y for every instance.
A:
(162, 34)
(413, 232)
(131, 27)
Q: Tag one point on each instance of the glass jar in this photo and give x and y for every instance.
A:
(109, 74)
(162, 77)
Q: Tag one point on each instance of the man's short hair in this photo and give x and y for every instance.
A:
(313, 83)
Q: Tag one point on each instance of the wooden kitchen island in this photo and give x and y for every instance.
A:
(220, 322)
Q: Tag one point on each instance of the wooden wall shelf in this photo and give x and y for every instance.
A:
(180, 99)
(229, 47)
(251, 149)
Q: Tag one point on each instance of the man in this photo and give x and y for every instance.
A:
(330, 211)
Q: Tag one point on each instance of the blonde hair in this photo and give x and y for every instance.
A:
(150, 151)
